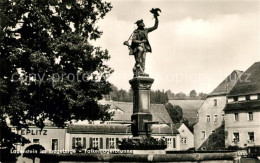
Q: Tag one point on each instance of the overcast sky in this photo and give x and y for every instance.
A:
(197, 43)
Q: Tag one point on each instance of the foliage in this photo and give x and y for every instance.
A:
(157, 96)
(186, 122)
(49, 70)
(193, 94)
(202, 96)
(175, 112)
(121, 95)
(148, 144)
(33, 151)
(8, 139)
(233, 148)
(216, 140)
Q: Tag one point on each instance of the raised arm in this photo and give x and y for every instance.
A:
(155, 25)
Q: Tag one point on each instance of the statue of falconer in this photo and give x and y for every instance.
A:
(140, 43)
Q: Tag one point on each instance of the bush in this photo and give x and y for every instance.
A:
(147, 144)
(233, 148)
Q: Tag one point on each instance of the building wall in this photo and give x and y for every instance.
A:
(186, 138)
(208, 108)
(101, 138)
(45, 137)
(242, 126)
(172, 140)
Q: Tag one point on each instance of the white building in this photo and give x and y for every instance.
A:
(243, 110)
(211, 114)
(186, 137)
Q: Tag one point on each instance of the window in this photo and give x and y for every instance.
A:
(247, 97)
(95, 142)
(250, 116)
(169, 143)
(215, 102)
(76, 142)
(54, 144)
(235, 98)
(111, 143)
(236, 137)
(241, 98)
(230, 100)
(208, 118)
(251, 136)
(215, 118)
(174, 143)
(203, 134)
(183, 140)
(236, 116)
(36, 141)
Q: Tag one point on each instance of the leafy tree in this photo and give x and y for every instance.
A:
(186, 122)
(193, 94)
(170, 95)
(202, 96)
(130, 95)
(216, 140)
(37, 148)
(181, 96)
(175, 112)
(158, 97)
(49, 70)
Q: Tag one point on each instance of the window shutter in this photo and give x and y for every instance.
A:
(117, 141)
(166, 142)
(174, 143)
(84, 143)
(90, 143)
(73, 143)
(107, 143)
(101, 143)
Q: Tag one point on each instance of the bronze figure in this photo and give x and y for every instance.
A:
(140, 43)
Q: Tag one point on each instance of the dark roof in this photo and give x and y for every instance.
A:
(247, 105)
(249, 82)
(117, 129)
(189, 108)
(124, 110)
(178, 125)
(226, 86)
(99, 129)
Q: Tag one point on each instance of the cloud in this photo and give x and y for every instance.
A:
(195, 47)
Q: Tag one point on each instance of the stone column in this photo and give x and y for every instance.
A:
(141, 106)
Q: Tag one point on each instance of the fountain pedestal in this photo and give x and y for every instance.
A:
(141, 106)
(142, 142)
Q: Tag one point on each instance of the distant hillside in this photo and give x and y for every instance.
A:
(189, 108)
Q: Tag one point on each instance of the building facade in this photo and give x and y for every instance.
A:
(186, 137)
(101, 135)
(50, 137)
(109, 136)
(243, 110)
(211, 115)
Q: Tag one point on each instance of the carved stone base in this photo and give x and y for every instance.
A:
(141, 108)
(140, 128)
